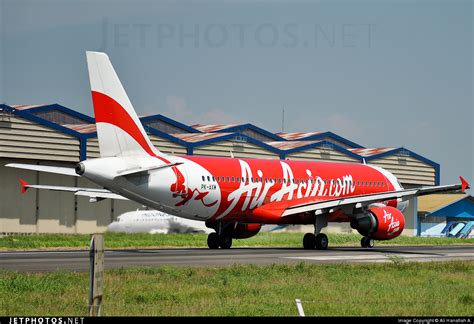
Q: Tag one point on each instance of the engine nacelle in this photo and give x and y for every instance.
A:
(380, 223)
(246, 230)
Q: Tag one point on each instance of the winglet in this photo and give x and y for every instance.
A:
(24, 185)
(464, 184)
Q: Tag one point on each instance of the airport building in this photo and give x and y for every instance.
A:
(57, 135)
(450, 215)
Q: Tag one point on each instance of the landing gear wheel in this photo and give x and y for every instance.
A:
(309, 241)
(213, 241)
(322, 241)
(225, 242)
(367, 242)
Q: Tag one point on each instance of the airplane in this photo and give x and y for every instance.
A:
(155, 222)
(233, 196)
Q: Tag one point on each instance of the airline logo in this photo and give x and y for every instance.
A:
(393, 224)
(253, 193)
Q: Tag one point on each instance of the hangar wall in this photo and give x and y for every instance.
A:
(45, 211)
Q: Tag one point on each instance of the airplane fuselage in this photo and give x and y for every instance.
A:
(230, 189)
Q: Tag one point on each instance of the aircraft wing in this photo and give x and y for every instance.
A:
(44, 168)
(94, 194)
(318, 206)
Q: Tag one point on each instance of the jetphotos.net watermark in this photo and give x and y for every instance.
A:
(215, 35)
(45, 320)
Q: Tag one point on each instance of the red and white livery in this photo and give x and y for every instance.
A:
(233, 196)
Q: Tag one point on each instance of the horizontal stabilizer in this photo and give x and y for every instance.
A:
(146, 169)
(44, 168)
(95, 194)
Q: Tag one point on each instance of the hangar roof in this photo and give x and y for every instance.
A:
(461, 208)
(431, 203)
(366, 152)
(289, 145)
(198, 137)
(297, 135)
(245, 129)
(82, 127)
(212, 127)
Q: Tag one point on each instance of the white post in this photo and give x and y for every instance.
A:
(300, 307)
(96, 274)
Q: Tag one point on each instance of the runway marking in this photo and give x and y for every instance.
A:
(376, 257)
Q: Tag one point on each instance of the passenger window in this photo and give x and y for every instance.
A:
(203, 178)
(209, 178)
(233, 179)
(218, 179)
(213, 179)
(228, 179)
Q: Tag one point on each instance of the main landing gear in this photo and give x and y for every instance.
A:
(317, 240)
(367, 242)
(222, 238)
(214, 241)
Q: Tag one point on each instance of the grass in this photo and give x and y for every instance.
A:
(391, 289)
(120, 240)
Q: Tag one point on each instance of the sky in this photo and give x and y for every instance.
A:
(380, 73)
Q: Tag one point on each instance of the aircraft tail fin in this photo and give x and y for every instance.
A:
(119, 129)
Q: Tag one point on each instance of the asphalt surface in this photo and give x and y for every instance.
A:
(39, 261)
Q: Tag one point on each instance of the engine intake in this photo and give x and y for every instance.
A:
(380, 223)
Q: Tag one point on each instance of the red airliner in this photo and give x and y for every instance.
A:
(233, 196)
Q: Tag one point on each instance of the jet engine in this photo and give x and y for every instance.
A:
(245, 230)
(380, 223)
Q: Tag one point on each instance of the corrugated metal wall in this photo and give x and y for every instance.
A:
(167, 146)
(407, 169)
(20, 138)
(321, 154)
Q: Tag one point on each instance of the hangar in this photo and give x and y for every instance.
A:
(57, 135)
(447, 210)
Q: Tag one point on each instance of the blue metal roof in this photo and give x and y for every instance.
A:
(243, 127)
(170, 121)
(334, 136)
(462, 208)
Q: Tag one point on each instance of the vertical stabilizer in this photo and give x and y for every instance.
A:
(119, 130)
